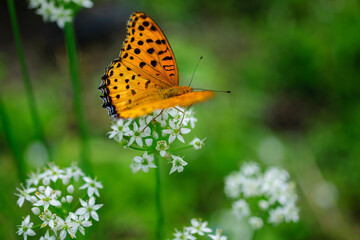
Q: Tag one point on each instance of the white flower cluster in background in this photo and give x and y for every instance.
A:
(59, 11)
(55, 195)
(259, 197)
(156, 134)
(198, 230)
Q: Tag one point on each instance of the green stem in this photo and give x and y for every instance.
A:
(11, 139)
(182, 148)
(159, 210)
(77, 94)
(255, 234)
(38, 128)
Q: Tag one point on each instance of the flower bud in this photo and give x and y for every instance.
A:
(70, 189)
(46, 181)
(35, 210)
(69, 198)
(148, 142)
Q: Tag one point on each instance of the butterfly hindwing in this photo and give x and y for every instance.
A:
(124, 89)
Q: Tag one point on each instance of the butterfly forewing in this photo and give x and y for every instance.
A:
(147, 50)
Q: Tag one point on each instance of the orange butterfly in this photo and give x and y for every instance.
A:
(145, 76)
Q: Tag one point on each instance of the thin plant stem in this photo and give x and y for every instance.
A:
(77, 95)
(159, 210)
(11, 139)
(255, 234)
(38, 128)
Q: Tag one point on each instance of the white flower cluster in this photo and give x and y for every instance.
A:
(51, 194)
(59, 11)
(155, 134)
(270, 194)
(198, 229)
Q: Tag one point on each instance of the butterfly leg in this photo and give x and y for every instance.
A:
(153, 120)
(182, 119)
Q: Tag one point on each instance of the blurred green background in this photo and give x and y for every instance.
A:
(293, 68)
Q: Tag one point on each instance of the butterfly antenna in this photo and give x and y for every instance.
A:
(195, 70)
(203, 89)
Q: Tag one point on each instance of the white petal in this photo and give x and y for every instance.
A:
(80, 211)
(20, 201)
(92, 201)
(95, 216)
(162, 153)
(139, 141)
(171, 138)
(90, 191)
(181, 138)
(185, 130)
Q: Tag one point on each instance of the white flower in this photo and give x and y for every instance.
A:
(34, 178)
(58, 224)
(36, 3)
(162, 147)
(197, 143)
(256, 222)
(84, 3)
(81, 222)
(119, 129)
(185, 235)
(48, 198)
(61, 16)
(251, 187)
(143, 163)
(177, 114)
(46, 10)
(241, 208)
(274, 192)
(178, 164)
(48, 218)
(175, 131)
(189, 118)
(198, 227)
(47, 236)
(138, 133)
(276, 215)
(250, 169)
(69, 227)
(74, 172)
(54, 172)
(217, 235)
(89, 209)
(25, 228)
(23, 194)
(291, 212)
(233, 184)
(92, 186)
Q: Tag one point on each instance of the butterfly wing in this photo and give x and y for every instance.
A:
(182, 100)
(123, 89)
(147, 50)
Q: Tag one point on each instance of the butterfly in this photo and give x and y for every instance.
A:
(145, 77)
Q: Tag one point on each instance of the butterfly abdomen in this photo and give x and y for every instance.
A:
(175, 91)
